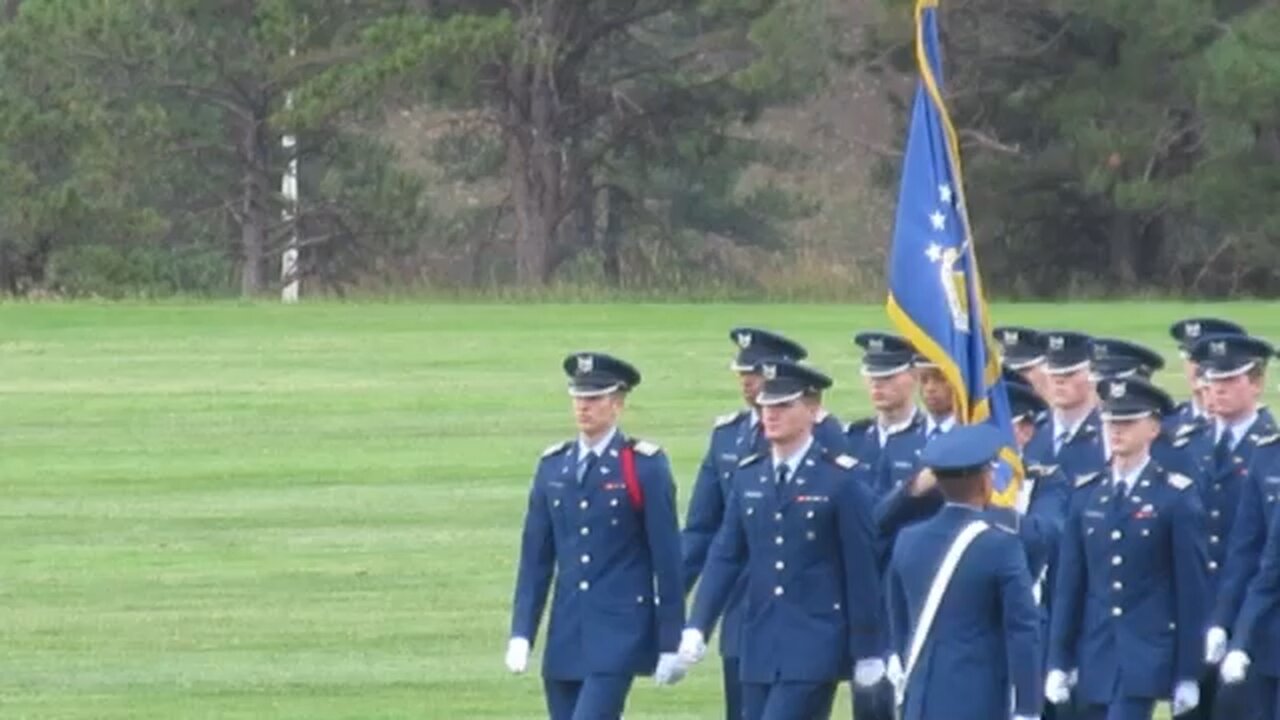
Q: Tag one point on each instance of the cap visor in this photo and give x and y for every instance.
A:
(1214, 374)
(765, 399)
(586, 391)
(1017, 364)
(1066, 369)
(1127, 415)
(882, 372)
(741, 367)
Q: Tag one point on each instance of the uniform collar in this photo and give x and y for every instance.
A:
(885, 432)
(793, 460)
(1072, 430)
(599, 448)
(1238, 429)
(753, 418)
(1130, 479)
(943, 425)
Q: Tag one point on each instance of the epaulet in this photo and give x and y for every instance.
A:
(1267, 439)
(749, 459)
(848, 462)
(1179, 482)
(644, 447)
(1082, 480)
(557, 448)
(728, 419)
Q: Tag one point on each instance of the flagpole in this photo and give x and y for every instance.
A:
(289, 190)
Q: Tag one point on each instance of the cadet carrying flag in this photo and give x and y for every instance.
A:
(935, 292)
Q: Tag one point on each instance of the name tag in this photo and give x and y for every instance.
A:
(1094, 514)
(1273, 480)
(902, 464)
(753, 494)
(730, 457)
(812, 498)
(555, 483)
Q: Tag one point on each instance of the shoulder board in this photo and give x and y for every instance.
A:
(1180, 442)
(727, 419)
(1082, 480)
(749, 459)
(1179, 482)
(848, 462)
(1267, 439)
(557, 448)
(644, 447)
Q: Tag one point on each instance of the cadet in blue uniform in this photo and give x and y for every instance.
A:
(736, 436)
(602, 522)
(1130, 593)
(1186, 333)
(1234, 366)
(798, 524)
(1256, 642)
(960, 601)
(1023, 350)
(1071, 438)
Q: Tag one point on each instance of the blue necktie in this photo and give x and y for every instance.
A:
(1222, 451)
(782, 474)
(586, 465)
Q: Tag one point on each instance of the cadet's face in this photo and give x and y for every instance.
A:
(1131, 438)
(1038, 379)
(750, 384)
(891, 393)
(1189, 368)
(1234, 397)
(789, 421)
(936, 393)
(1070, 390)
(595, 415)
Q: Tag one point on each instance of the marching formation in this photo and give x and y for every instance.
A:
(1139, 562)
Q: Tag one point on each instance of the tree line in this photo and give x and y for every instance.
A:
(1109, 147)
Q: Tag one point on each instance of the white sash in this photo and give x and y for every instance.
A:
(939, 588)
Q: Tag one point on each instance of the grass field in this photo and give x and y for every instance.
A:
(235, 511)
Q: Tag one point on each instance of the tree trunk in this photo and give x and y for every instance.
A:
(254, 203)
(612, 239)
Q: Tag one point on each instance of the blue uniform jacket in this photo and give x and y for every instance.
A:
(985, 637)
(1257, 630)
(812, 601)
(732, 439)
(606, 558)
(1081, 455)
(1259, 498)
(1129, 601)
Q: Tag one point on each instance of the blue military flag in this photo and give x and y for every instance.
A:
(935, 292)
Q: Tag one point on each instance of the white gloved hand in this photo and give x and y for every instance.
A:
(867, 673)
(1056, 689)
(1073, 678)
(1215, 645)
(1235, 666)
(894, 672)
(671, 669)
(517, 655)
(1026, 717)
(692, 646)
(1186, 697)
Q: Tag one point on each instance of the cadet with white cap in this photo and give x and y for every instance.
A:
(798, 524)
(1130, 591)
(602, 522)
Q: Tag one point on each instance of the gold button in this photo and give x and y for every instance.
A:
(583, 504)
(1116, 535)
(1116, 560)
(586, 559)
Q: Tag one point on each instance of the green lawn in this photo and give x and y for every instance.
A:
(229, 511)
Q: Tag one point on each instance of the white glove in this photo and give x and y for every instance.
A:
(517, 655)
(867, 673)
(1215, 645)
(1026, 717)
(1235, 667)
(671, 669)
(1056, 689)
(692, 646)
(1073, 678)
(1186, 696)
(894, 672)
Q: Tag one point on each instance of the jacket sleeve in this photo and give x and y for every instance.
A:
(702, 519)
(899, 613)
(1244, 549)
(537, 565)
(863, 600)
(1068, 596)
(662, 529)
(1021, 620)
(1191, 583)
(1263, 595)
(1041, 528)
(725, 562)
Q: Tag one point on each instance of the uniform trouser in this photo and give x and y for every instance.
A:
(1120, 709)
(732, 689)
(1248, 700)
(1065, 711)
(597, 697)
(875, 703)
(787, 700)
